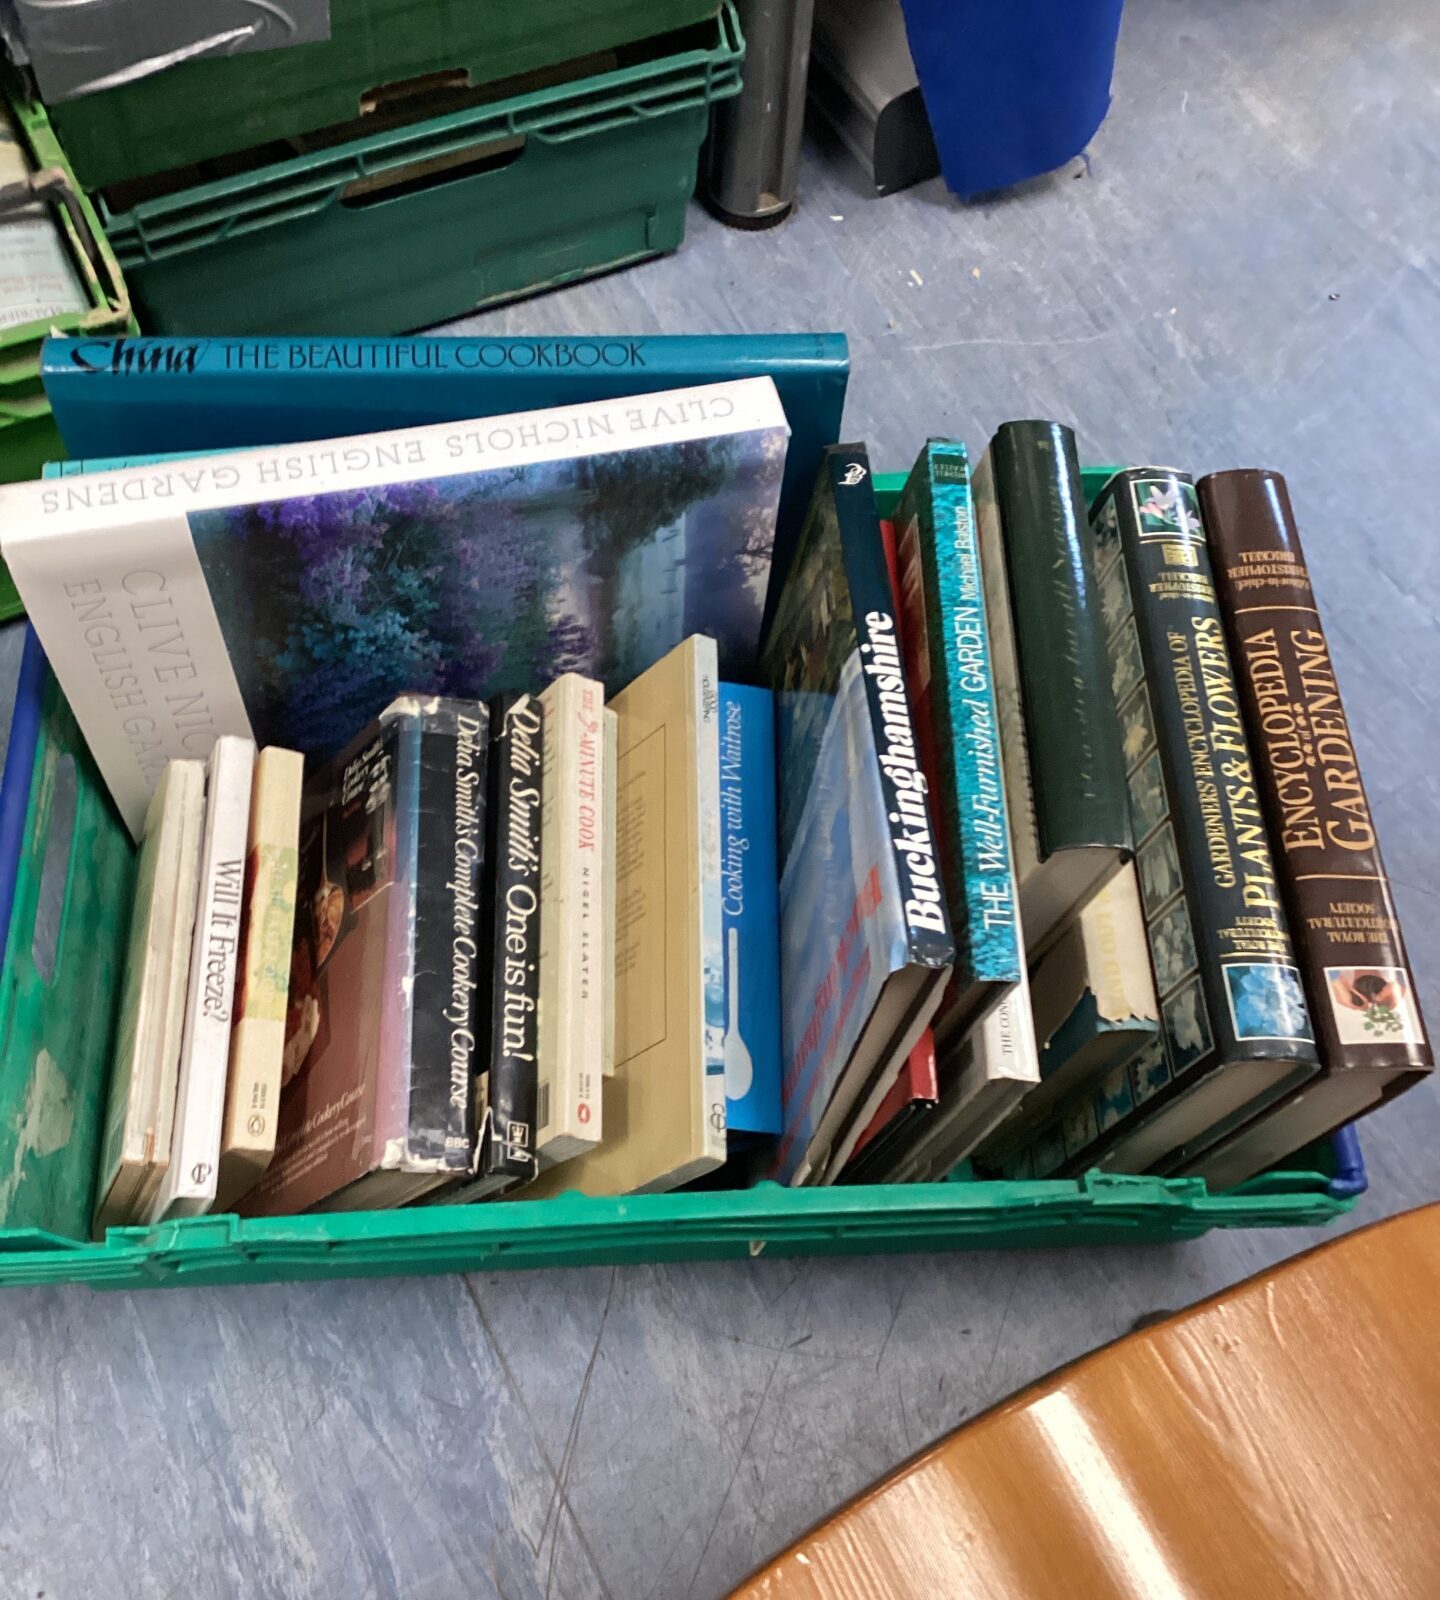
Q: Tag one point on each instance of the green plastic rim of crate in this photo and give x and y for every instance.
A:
(378, 50)
(572, 1230)
(28, 436)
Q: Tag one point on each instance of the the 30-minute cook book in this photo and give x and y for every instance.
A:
(286, 594)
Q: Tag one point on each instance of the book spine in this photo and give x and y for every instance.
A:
(189, 1185)
(607, 966)
(712, 930)
(1358, 980)
(1224, 969)
(505, 1099)
(444, 947)
(940, 557)
(1071, 734)
(926, 922)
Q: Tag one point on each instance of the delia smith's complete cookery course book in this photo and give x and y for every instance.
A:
(286, 594)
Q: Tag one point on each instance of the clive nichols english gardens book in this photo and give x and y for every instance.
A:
(286, 594)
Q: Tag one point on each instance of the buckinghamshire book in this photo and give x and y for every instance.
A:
(282, 594)
(1343, 920)
(1064, 778)
(665, 1104)
(117, 397)
(508, 1007)
(750, 906)
(1236, 1033)
(140, 1115)
(376, 1106)
(188, 1187)
(1094, 1008)
(946, 636)
(267, 931)
(570, 1040)
(865, 945)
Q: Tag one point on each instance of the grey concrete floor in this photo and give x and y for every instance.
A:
(1242, 270)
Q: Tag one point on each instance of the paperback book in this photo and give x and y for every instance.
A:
(1064, 778)
(895, 1127)
(140, 1117)
(281, 594)
(376, 1106)
(947, 647)
(1346, 931)
(865, 945)
(665, 1103)
(1235, 1030)
(188, 1187)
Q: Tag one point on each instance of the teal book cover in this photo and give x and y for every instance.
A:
(947, 650)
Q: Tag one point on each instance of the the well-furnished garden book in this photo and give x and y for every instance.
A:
(1064, 777)
(283, 593)
(508, 1004)
(865, 945)
(262, 985)
(140, 1115)
(118, 397)
(1235, 1029)
(948, 664)
(1094, 1007)
(1343, 921)
(750, 906)
(570, 1038)
(665, 1103)
(376, 1104)
(188, 1187)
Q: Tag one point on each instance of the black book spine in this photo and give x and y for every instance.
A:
(510, 958)
(445, 948)
(917, 860)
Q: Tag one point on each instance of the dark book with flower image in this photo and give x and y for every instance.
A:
(1343, 920)
(1233, 1019)
(283, 593)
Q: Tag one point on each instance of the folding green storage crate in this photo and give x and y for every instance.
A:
(407, 227)
(378, 52)
(51, 1054)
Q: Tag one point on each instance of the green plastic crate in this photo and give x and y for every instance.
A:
(571, 1230)
(408, 227)
(198, 110)
(28, 435)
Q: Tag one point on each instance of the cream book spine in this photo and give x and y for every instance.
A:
(139, 1121)
(569, 1054)
(188, 1188)
(262, 985)
(712, 919)
(607, 969)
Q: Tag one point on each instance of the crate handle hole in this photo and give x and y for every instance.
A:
(397, 96)
(492, 156)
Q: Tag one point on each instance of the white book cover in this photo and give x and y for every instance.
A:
(272, 593)
(188, 1187)
(571, 1023)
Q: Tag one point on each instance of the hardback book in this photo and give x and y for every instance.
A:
(895, 1126)
(1358, 980)
(750, 907)
(1093, 1001)
(507, 1016)
(262, 987)
(665, 1104)
(865, 945)
(188, 1187)
(140, 1117)
(607, 963)
(946, 636)
(281, 594)
(1236, 1033)
(376, 1103)
(118, 397)
(983, 1076)
(570, 1051)
(1064, 777)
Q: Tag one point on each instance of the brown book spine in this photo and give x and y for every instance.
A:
(1342, 914)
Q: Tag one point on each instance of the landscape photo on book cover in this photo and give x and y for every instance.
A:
(484, 582)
